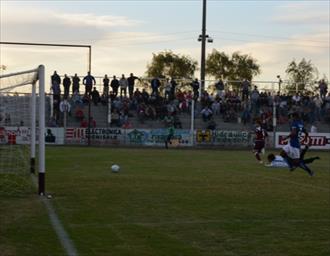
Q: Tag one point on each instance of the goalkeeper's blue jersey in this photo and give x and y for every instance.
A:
(295, 140)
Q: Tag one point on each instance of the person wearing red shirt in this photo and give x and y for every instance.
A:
(259, 141)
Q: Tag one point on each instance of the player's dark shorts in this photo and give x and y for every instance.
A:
(258, 146)
(169, 137)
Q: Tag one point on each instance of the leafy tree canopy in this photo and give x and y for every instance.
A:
(301, 75)
(169, 64)
(235, 67)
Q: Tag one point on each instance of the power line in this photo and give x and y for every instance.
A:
(272, 43)
(265, 36)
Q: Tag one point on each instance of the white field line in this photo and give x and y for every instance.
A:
(62, 235)
(187, 222)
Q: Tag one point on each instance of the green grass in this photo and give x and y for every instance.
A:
(173, 202)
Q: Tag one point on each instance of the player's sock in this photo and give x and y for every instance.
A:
(258, 157)
(311, 160)
(306, 168)
(289, 162)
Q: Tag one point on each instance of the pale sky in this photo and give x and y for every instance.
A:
(124, 34)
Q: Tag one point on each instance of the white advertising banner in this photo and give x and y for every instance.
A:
(315, 140)
(22, 135)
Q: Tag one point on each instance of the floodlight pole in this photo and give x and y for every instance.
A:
(203, 38)
(203, 47)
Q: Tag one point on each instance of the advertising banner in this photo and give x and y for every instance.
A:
(225, 138)
(98, 136)
(22, 135)
(231, 138)
(157, 137)
(315, 140)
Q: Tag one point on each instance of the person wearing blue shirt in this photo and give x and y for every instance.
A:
(291, 151)
(89, 82)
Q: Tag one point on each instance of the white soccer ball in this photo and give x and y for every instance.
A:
(115, 168)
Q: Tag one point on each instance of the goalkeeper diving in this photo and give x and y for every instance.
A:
(278, 161)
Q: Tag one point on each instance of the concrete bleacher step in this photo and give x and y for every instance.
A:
(99, 113)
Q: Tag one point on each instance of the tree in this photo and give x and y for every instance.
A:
(301, 76)
(169, 64)
(236, 67)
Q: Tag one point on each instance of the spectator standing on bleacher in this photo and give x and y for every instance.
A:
(66, 85)
(155, 84)
(206, 114)
(245, 89)
(296, 99)
(216, 106)
(168, 88)
(75, 83)
(95, 96)
(89, 82)
(76, 98)
(106, 82)
(255, 95)
(114, 85)
(195, 87)
(55, 79)
(173, 87)
(56, 91)
(220, 87)
(131, 83)
(123, 85)
(65, 106)
(318, 105)
(323, 88)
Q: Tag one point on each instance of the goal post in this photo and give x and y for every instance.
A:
(41, 180)
(19, 123)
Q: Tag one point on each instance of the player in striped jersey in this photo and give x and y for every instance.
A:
(259, 141)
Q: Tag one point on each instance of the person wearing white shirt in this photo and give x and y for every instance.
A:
(313, 128)
(123, 83)
(296, 99)
(277, 161)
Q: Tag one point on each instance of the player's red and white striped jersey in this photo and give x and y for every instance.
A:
(260, 134)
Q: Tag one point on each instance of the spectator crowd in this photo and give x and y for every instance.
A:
(167, 101)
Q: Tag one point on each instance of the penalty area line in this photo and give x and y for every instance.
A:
(62, 235)
(199, 222)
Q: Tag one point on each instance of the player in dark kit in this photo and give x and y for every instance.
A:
(170, 136)
(259, 141)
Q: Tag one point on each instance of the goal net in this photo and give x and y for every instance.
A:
(22, 95)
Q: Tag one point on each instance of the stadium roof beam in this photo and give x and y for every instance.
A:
(59, 45)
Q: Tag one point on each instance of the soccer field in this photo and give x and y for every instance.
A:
(172, 202)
